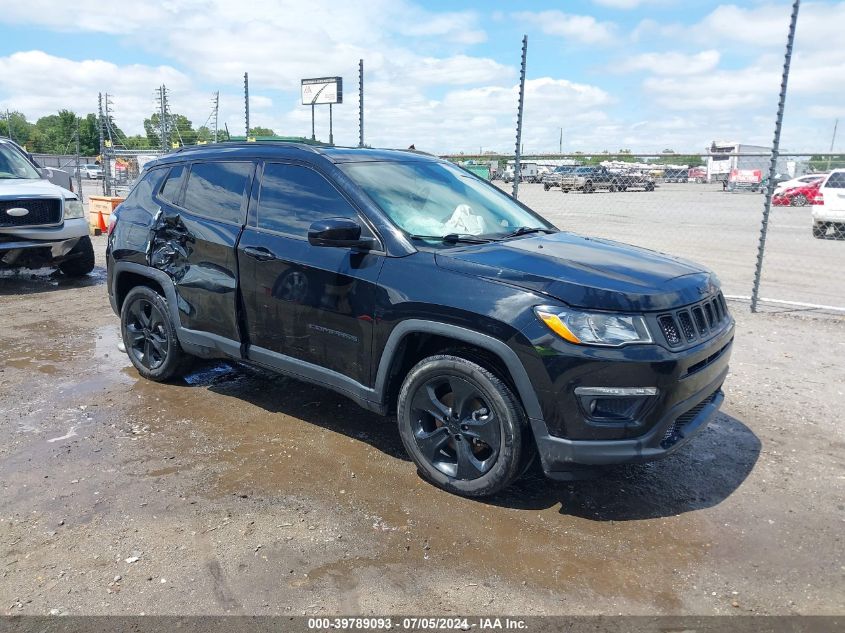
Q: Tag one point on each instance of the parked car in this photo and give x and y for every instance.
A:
(799, 182)
(797, 196)
(633, 180)
(828, 208)
(697, 175)
(91, 171)
(57, 176)
(41, 224)
(588, 179)
(679, 174)
(410, 286)
(552, 179)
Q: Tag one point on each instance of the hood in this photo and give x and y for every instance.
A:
(586, 272)
(32, 188)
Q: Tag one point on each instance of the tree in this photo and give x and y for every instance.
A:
(20, 128)
(261, 131)
(179, 129)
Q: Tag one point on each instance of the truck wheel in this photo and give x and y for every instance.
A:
(462, 426)
(564, 190)
(819, 230)
(649, 186)
(150, 336)
(83, 259)
(546, 187)
(612, 188)
(588, 187)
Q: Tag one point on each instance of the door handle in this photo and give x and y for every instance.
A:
(260, 253)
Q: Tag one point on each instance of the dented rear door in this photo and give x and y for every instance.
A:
(193, 240)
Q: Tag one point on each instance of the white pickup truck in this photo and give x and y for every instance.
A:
(41, 224)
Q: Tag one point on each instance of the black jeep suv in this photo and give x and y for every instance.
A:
(410, 285)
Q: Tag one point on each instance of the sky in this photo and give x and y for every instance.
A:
(645, 75)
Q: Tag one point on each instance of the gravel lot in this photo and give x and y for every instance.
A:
(240, 492)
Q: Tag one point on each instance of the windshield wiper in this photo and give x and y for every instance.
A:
(525, 230)
(453, 238)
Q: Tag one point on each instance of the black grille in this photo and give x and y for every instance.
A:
(41, 212)
(670, 330)
(686, 325)
(676, 431)
(694, 323)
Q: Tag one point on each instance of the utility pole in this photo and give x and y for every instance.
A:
(313, 137)
(331, 134)
(162, 117)
(560, 143)
(832, 142)
(246, 101)
(517, 170)
(9, 125)
(78, 173)
(216, 112)
(360, 103)
(103, 157)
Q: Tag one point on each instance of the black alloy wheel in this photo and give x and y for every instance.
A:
(147, 338)
(463, 426)
(454, 427)
(150, 336)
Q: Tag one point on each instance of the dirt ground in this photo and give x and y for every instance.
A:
(236, 491)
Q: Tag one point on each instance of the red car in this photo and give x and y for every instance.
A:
(797, 196)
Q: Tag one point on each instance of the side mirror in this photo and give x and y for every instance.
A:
(339, 232)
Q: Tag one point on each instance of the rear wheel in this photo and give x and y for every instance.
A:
(799, 201)
(82, 259)
(462, 426)
(150, 336)
(588, 187)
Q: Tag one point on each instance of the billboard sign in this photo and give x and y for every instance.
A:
(322, 90)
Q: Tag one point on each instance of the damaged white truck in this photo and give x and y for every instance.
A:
(41, 224)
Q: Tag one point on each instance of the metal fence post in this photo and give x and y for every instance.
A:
(517, 171)
(360, 103)
(770, 185)
(78, 171)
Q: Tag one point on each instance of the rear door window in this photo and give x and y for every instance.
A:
(293, 196)
(218, 190)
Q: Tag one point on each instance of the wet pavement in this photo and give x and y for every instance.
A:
(238, 491)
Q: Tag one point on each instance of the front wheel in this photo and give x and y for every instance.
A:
(462, 426)
(799, 201)
(150, 336)
(546, 187)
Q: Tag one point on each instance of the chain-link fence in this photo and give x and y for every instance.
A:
(704, 207)
(121, 168)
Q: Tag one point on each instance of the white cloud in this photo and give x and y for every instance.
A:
(671, 63)
(580, 28)
(625, 4)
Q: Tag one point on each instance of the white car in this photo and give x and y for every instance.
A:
(91, 171)
(798, 182)
(829, 206)
(41, 224)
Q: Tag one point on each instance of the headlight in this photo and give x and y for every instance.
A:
(594, 328)
(73, 210)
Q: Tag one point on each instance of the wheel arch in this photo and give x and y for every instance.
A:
(414, 339)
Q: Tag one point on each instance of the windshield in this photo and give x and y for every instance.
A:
(435, 199)
(14, 165)
(584, 170)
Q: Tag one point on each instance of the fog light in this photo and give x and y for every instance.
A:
(620, 405)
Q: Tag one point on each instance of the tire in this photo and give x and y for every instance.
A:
(150, 337)
(612, 188)
(799, 201)
(82, 261)
(588, 187)
(546, 187)
(564, 190)
(649, 186)
(447, 446)
(819, 230)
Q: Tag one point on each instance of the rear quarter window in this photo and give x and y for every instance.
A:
(836, 181)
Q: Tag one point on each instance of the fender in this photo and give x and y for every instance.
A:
(494, 345)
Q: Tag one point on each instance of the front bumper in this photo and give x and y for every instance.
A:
(688, 384)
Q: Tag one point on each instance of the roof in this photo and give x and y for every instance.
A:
(277, 149)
